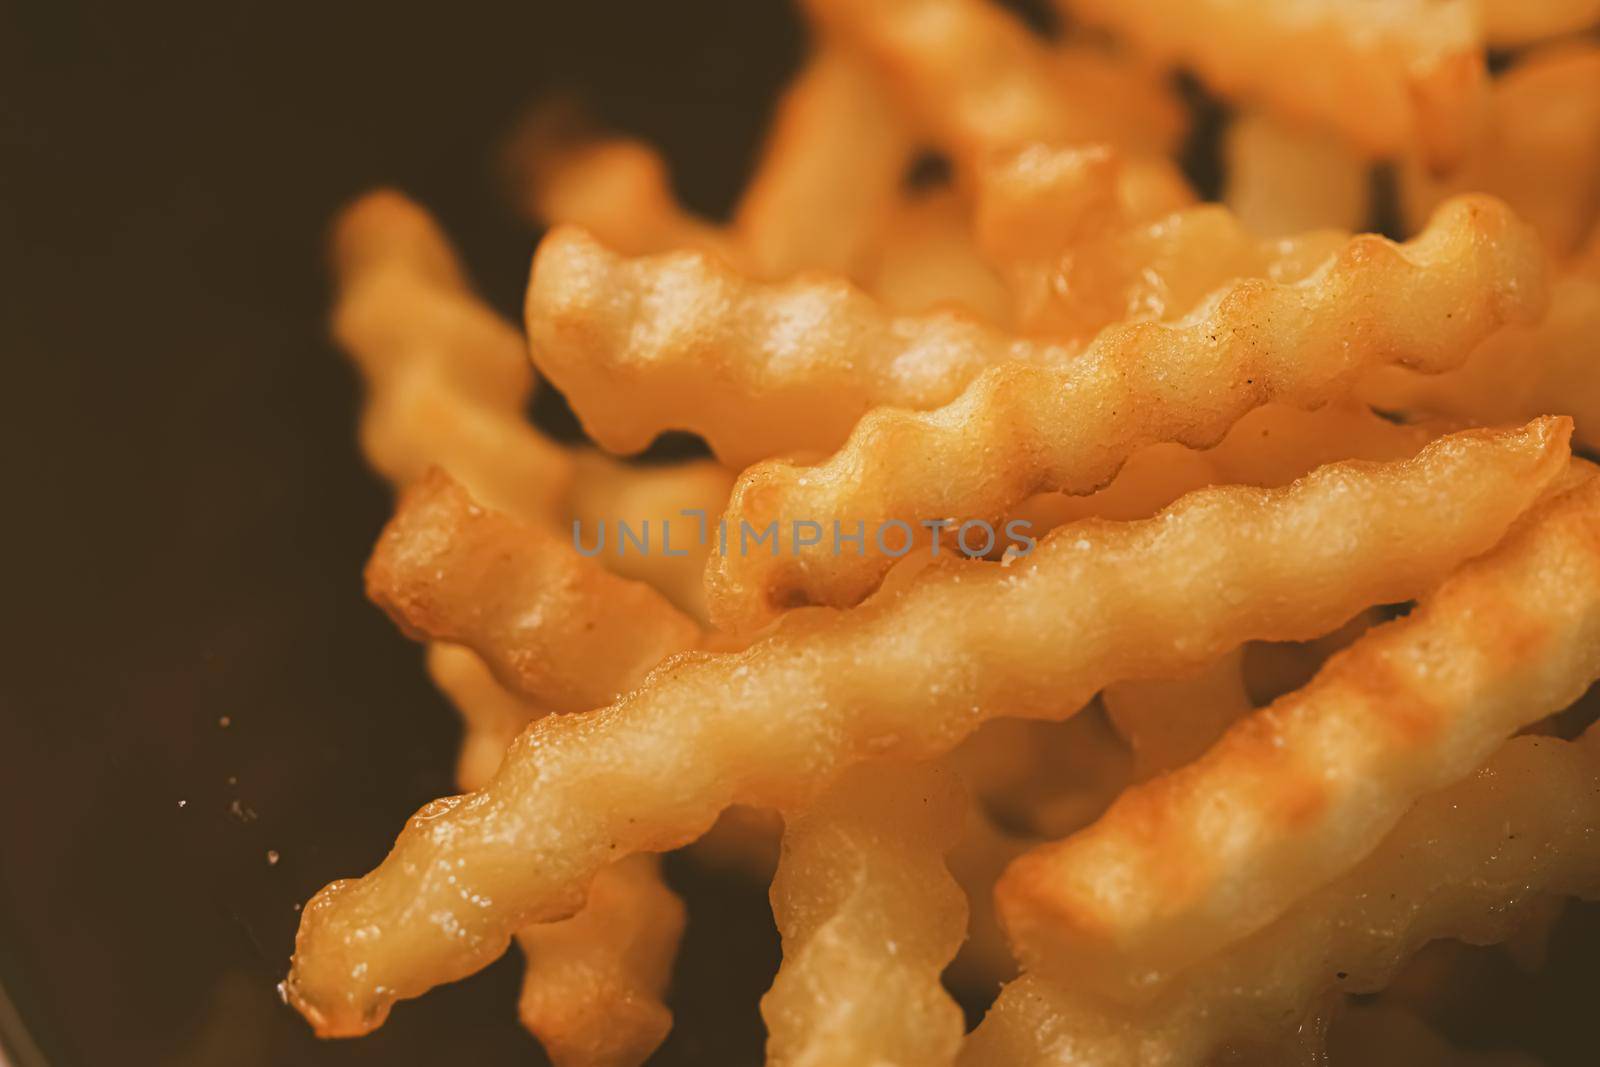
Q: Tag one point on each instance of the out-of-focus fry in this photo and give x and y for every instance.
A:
(447, 378)
(1285, 179)
(1171, 721)
(1026, 426)
(929, 260)
(1273, 669)
(1465, 862)
(1508, 23)
(978, 81)
(869, 917)
(593, 990)
(1383, 1035)
(1540, 151)
(553, 627)
(669, 508)
(492, 715)
(829, 176)
(905, 676)
(1297, 793)
(1385, 74)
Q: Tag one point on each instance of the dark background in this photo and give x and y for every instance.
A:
(186, 516)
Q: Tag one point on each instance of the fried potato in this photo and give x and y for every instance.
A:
(554, 628)
(595, 982)
(978, 81)
(1465, 862)
(929, 260)
(1384, 74)
(1044, 424)
(1169, 722)
(1540, 151)
(1296, 794)
(447, 379)
(869, 917)
(1286, 179)
(491, 714)
(906, 676)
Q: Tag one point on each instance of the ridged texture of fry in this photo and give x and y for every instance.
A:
(1386, 74)
(907, 675)
(828, 175)
(1469, 862)
(979, 81)
(1125, 246)
(594, 985)
(1296, 794)
(1285, 178)
(1540, 150)
(869, 917)
(681, 341)
(447, 378)
(553, 627)
(1021, 428)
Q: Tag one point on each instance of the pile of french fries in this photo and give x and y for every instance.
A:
(1254, 698)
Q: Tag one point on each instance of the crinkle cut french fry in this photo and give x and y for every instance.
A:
(1297, 793)
(682, 342)
(1385, 74)
(493, 716)
(1547, 366)
(447, 378)
(1515, 22)
(907, 675)
(830, 172)
(1540, 151)
(553, 627)
(657, 504)
(869, 917)
(1466, 862)
(979, 81)
(1285, 179)
(928, 260)
(1171, 721)
(593, 990)
(1021, 428)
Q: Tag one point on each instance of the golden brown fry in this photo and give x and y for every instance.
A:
(682, 342)
(553, 627)
(493, 716)
(672, 507)
(978, 81)
(1546, 366)
(447, 378)
(869, 917)
(1170, 722)
(1297, 793)
(1507, 23)
(929, 260)
(907, 675)
(1540, 151)
(1285, 179)
(594, 985)
(1026, 426)
(1385, 74)
(1465, 862)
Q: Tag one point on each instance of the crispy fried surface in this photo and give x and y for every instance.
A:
(1294, 795)
(1467, 862)
(861, 867)
(1028, 426)
(908, 675)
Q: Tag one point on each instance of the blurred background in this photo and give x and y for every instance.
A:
(201, 719)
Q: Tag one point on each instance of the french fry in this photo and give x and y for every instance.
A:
(551, 626)
(1295, 795)
(1540, 151)
(1465, 862)
(869, 917)
(1508, 23)
(1042, 424)
(595, 982)
(1285, 179)
(906, 676)
(1170, 722)
(1383, 75)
